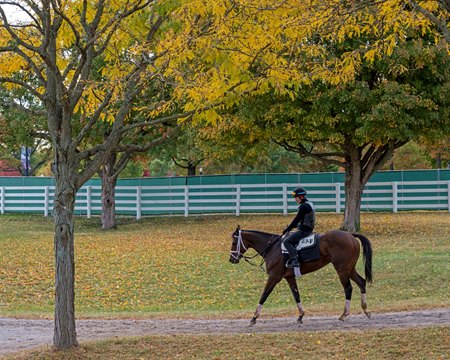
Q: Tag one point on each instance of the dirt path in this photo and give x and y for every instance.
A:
(21, 334)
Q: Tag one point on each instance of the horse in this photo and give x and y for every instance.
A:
(336, 246)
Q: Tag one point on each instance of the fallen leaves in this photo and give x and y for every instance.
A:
(178, 265)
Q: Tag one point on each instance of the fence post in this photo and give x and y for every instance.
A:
(186, 201)
(337, 188)
(46, 201)
(238, 200)
(394, 196)
(138, 202)
(88, 201)
(285, 200)
(448, 195)
(2, 200)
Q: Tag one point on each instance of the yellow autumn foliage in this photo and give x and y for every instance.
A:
(281, 44)
(214, 52)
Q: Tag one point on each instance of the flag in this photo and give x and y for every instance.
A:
(25, 159)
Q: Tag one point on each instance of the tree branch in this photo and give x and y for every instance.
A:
(326, 158)
(442, 25)
(24, 85)
(133, 148)
(13, 34)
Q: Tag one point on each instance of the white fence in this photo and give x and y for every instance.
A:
(187, 200)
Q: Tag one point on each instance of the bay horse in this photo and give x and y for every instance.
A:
(336, 246)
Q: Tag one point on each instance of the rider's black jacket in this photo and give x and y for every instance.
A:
(305, 218)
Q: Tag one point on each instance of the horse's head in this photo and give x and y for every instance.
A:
(237, 246)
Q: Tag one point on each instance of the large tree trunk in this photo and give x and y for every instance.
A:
(64, 333)
(353, 195)
(354, 186)
(360, 166)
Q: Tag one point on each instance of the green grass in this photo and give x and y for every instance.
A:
(423, 343)
(169, 267)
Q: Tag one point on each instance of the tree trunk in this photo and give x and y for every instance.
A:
(353, 196)
(64, 333)
(438, 161)
(108, 201)
(353, 192)
(191, 169)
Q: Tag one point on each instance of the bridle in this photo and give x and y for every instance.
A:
(237, 254)
(240, 243)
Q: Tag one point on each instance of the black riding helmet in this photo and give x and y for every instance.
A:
(298, 191)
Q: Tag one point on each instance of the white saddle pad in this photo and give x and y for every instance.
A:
(302, 244)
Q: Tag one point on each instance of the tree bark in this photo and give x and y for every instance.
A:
(353, 195)
(354, 185)
(65, 332)
(360, 164)
(109, 181)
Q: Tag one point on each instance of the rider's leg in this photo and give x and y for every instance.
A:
(290, 242)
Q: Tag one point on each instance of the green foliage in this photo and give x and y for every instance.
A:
(159, 167)
(409, 157)
(23, 127)
(165, 7)
(132, 170)
(20, 127)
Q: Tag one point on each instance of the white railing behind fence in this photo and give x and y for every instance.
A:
(234, 199)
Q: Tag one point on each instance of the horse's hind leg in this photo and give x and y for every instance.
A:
(348, 289)
(294, 289)
(361, 282)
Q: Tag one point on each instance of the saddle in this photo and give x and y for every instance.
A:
(308, 248)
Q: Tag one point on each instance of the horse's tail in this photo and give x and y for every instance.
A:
(367, 254)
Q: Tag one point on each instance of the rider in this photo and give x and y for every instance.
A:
(304, 221)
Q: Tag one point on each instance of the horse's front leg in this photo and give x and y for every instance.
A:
(270, 285)
(294, 289)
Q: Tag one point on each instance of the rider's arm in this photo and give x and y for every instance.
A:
(302, 211)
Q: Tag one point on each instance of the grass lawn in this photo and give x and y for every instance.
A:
(179, 267)
(423, 343)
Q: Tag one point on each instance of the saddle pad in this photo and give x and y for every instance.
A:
(304, 243)
(308, 249)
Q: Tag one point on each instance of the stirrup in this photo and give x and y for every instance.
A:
(292, 263)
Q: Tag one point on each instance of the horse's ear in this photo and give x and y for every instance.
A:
(239, 227)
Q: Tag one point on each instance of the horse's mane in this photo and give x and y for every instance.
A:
(261, 232)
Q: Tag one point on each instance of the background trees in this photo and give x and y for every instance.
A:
(344, 83)
(358, 125)
(23, 125)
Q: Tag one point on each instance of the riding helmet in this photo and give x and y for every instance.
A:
(298, 191)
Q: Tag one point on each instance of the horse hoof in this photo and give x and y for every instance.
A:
(368, 314)
(300, 318)
(342, 317)
(252, 322)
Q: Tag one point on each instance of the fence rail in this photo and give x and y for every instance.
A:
(235, 199)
